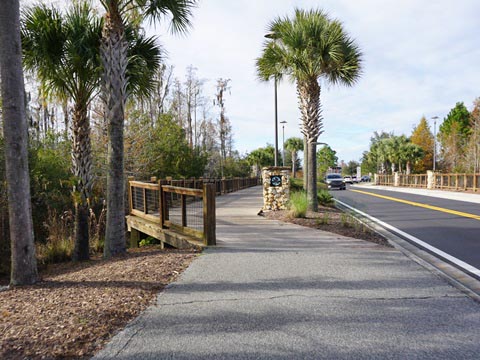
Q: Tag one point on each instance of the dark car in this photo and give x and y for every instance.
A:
(365, 178)
(335, 181)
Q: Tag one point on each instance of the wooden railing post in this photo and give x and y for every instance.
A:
(183, 200)
(161, 202)
(164, 206)
(130, 196)
(209, 217)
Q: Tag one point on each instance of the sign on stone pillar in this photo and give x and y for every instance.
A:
(276, 187)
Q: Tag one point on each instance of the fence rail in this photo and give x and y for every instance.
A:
(222, 186)
(456, 182)
(186, 206)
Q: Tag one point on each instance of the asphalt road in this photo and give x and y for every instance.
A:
(453, 233)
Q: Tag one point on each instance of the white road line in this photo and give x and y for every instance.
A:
(461, 264)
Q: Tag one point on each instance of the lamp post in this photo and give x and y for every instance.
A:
(283, 141)
(434, 118)
(271, 35)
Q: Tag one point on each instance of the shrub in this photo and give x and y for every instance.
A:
(324, 198)
(59, 244)
(296, 184)
(298, 204)
(149, 241)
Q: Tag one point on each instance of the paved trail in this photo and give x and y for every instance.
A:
(271, 290)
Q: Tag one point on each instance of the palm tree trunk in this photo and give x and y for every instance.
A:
(309, 104)
(82, 169)
(294, 160)
(312, 177)
(305, 163)
(24, 264)
(408, 168)
(114, 58)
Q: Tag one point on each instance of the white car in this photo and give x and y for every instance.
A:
(348, 179)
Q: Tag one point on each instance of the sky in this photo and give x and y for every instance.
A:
(419, 59)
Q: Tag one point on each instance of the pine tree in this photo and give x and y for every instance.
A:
(423, 137)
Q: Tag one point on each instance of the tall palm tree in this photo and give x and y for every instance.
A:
(115, 93)
(294, 144)
(24, 265)
(65, 53)
(310, 47)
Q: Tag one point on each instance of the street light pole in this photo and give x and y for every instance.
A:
(283, 141)
(434, 118)
(271, 35)
(276, 124)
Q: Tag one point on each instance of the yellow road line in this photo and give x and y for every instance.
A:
(436, 208)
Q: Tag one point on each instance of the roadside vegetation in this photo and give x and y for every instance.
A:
(327, 218)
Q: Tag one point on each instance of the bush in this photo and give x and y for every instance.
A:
(296, 184)
(324, 198)
(59, 244)
(149, 241)
(298, 204)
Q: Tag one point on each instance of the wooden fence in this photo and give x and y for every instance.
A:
(184, 206)
(222, 186)
(456, 182)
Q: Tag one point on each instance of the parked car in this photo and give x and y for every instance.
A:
(354, 179)
(348, 179)
(335, 181)
(365, 178)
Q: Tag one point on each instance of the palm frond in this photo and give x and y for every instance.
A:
(178, 11)
(144, 60)
(310, 45)
(63, 50)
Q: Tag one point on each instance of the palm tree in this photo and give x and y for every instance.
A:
(308, 48)
(24, 264)
(294, 144)
(65, 53)
(410, 154)
(115, 93)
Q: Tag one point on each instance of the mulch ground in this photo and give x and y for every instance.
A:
(332, 220)
(77, 308)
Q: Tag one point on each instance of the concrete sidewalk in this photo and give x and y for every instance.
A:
(272, 290)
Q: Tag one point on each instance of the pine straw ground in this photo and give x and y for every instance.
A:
(77, 308)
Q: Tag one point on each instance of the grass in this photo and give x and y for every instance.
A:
(324, 220)
(298, 204)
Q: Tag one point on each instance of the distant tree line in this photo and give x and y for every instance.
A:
(457, 142)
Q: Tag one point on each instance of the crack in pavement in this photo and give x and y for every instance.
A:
(311, 297)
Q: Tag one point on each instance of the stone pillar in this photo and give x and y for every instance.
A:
(396, 179)
(376, 181)
(430, 179)
(276, 187)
